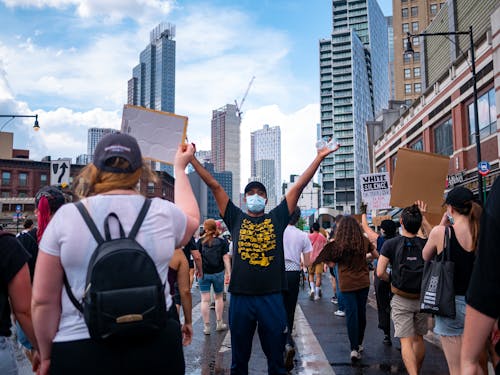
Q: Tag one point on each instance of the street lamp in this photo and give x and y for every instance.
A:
(409, 51)
(36, 126)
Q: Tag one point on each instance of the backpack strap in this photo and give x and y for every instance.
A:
(140, 218)
(71, 296)
(90, 223)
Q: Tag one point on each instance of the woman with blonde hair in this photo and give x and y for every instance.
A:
(215, 261)
(109, 186)
(462, 217)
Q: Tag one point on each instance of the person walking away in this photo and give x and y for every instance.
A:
(348, 251)
(383, 294)
(180, 290)
(108, 186)
(404, 254)
(258, 275)
(295, 244)
(315, 271)
(483, 294)
(15, 297)
(215, 263)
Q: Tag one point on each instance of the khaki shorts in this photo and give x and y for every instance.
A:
(317, 269)
(407, 318)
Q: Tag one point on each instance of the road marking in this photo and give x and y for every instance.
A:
(311, 354)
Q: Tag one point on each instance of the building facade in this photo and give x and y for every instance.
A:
(225, 138)
(354, 85)
(410, 16)
(94, 136)
(441, 120)
(265, 161)
(153, 80)
(390, 44)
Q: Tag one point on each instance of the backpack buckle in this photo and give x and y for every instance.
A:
(129, 318)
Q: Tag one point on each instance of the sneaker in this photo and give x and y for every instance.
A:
(360, 348)
(317, 298)
(339, 313)
(355, 355)
(221, 326)
(334, 300)
(206, 329)
(289, 355)
(311, 295)
(387, 340)
(212, 305)
(320, 294)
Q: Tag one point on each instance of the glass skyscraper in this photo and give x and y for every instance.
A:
(153, 81)
(354, 86)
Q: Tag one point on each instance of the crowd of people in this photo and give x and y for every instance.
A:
(71, 319)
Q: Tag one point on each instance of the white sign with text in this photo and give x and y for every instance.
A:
(375, 190)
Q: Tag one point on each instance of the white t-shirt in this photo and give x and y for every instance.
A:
(295, 242)
(68, 237)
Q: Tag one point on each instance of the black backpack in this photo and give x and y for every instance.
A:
(408, 265)
(124, 295)
(212, 256)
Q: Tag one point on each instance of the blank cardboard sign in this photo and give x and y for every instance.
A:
(158, 133)
(419, 176)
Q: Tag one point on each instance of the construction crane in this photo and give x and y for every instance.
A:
(238, 106)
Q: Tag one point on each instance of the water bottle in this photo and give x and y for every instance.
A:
(331, 143)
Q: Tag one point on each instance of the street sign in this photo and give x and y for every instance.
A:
(59, 171)
(18, 208)
(483, 168)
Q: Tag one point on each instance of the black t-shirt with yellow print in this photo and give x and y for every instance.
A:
(258, 259)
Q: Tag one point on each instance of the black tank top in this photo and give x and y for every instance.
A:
(464, 262)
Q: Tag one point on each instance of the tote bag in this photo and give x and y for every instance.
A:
(437, 294)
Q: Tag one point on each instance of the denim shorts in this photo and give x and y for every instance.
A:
(215, 279)
(452, 327)
(8, 364)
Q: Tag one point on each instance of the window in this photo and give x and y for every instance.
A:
(43, 179)
(443, 138)
(5, 194)
(417, 87)
(415, 41)
(151, 187)
(407, 73)
(434, 9)
(414, 26)
(394, 161)
(404, 12)
(414, 11)
(487, 116)
(23, 179)
(5, 178)
(408, 89)
(406, 27)
(416, 72)
(416, 57)
(22, 195)
(418, 145)
(382, 169)
(406, 58)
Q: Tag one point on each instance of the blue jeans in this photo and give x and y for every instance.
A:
(340, 298)
(355, 312)
(268, 313)
(8, 364)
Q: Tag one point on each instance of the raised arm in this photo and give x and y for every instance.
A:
(426, 226)
(186, 299)
(183, 195)
(218, 191)
(293, 194)
(372, 235)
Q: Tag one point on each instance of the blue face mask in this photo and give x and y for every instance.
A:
(255, 203)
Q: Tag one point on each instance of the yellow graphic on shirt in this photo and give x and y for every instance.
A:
(255, 241)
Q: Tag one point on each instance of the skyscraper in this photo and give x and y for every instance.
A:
(265, 159)
(94, 136)
(390, 41)
(354, 85)
(226, 145)
(153, 80)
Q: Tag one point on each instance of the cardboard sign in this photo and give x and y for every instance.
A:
(375, 190)
(60, 171)
(158, 133)
(419, 176)
(377, 220)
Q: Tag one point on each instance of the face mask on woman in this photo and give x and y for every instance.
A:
(255, 203)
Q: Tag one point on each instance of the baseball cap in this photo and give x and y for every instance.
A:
(117, 145)
(255, 185)
(459, 197)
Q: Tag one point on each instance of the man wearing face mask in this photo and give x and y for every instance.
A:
(258, 277)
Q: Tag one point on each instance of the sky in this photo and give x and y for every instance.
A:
(69, 61)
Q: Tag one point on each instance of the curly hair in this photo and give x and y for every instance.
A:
(349, 238)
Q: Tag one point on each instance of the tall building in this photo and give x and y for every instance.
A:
(354, 85)
(153, 80)
(265, 159)
(410, 17)
(390, 43)
(93, 138)
(226, 145)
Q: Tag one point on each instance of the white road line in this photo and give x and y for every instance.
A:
(310, 353)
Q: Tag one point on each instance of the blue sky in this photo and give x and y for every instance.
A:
(69, 61)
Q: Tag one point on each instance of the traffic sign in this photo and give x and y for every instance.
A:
(483, 168)
(60, 171)
(18, 208)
